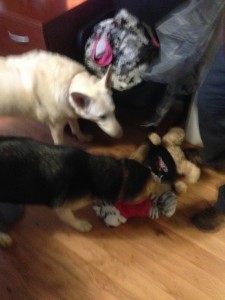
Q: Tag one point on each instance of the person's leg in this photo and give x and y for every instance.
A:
(211, 114)
(212, 218)
(211, 111)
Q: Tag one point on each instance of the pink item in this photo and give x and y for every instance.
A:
(104, 58)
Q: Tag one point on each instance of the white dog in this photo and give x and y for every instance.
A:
(56, 90)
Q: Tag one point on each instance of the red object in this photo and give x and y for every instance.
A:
(141, 209)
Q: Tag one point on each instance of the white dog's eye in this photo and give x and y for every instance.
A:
(103, 117)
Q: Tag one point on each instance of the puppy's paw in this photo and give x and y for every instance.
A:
(5, 240)
(83, 226)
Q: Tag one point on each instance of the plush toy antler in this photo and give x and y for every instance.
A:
(172, 142)
(165, 204)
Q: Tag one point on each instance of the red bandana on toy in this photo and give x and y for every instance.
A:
(139, 209)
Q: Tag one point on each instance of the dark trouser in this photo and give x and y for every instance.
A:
(211, 113)
(220, 204)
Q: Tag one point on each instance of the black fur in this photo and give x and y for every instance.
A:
(160, 161)
(36, 173)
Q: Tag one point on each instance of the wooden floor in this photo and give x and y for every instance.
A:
(142, 259)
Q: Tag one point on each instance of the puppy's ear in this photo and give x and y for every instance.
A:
(107, 79)
(80, 100)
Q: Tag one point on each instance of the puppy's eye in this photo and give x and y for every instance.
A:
(103, 117)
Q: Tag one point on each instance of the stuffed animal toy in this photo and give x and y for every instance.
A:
(114, 215)
(191, 172)
(167, 160)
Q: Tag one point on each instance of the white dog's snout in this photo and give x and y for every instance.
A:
(119, 133)
(116, 131)
(111, 127)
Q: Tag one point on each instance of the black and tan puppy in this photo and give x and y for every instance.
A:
(66, 178)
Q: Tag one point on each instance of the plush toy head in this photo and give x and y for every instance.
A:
(159, 160)
(166, 159)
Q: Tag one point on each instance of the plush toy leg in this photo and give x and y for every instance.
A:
(190, 171)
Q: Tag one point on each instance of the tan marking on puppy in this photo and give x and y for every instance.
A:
(66, 214)
(152, 190)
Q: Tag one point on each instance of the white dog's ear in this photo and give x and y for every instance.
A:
(107, 79)
(80, 100)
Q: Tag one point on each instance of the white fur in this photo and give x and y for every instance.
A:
(110, 214)
(39, 84)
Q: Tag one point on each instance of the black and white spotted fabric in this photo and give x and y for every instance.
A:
(133, 48)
